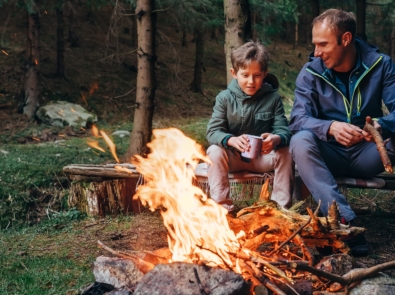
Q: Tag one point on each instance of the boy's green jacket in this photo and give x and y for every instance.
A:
(236, 113)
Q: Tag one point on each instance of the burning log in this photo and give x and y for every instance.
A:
(380, 144)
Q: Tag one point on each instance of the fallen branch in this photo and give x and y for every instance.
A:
(347, 279)
(142, 265)
(380, 144)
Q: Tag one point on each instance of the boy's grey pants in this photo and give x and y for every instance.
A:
(225, 160)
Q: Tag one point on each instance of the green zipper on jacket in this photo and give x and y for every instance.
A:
(348, 105)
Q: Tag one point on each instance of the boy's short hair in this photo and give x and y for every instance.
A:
(247, 53)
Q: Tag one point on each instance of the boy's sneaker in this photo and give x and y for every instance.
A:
(357, 243)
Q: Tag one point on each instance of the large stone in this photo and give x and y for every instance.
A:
(183, 279)
(117, 272)
(63, 113)
(378, 285)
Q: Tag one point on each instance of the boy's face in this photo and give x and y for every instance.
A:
(250, 78)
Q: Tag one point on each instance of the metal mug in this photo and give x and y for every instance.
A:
(256, 146)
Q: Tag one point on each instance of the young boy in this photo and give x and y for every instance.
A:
(250, 105)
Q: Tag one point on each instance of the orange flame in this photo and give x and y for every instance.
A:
(93, 89)
(123, 169)
(110, 144)
(198, 230)
(95, 131)
(94, 144)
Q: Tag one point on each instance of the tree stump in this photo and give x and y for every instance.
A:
(103, 190)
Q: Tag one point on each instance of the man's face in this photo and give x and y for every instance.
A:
(326, 47)
(250, 78)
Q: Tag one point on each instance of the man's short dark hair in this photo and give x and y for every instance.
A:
(339, 21)
(247, 53)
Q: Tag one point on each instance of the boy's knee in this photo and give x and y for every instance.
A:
(215, 152)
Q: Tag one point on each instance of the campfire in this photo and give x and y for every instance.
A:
(264, 243)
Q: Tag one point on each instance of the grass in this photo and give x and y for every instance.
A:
(54, 257)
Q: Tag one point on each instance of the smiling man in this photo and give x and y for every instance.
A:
(344, 81)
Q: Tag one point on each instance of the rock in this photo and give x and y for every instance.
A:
(96, 289)
(117, 272)
(121, 133)
(377, 285)
(180, 279)
(63, 113)
(338, 264)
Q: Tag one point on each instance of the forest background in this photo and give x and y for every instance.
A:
(87, 52)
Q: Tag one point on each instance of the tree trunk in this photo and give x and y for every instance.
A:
(315, 11)
(296, 36)
(184, 42)
(361, 19)
(196, 85)
(73, 37)
(392, 44)
(145, 86)
(32, 92)
(60, 66)
(237, 28)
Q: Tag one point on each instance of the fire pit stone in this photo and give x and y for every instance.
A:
(185, 278)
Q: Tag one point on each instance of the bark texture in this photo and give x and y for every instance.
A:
(237, 28)
(101, 198)
(145, 86)
(31, 87)
(60, 66)
(196, 85)
(361, 19)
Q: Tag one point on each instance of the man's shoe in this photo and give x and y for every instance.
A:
(357, 244)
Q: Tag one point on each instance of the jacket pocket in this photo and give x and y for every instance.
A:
(263, 122)
(264, 116)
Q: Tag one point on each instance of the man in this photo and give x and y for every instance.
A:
(345, 81)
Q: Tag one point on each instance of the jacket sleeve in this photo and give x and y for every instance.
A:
(304, 115)
(280, 123)
(388, 96)
(217, 128)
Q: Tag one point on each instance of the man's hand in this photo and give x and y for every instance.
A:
(241, 143)
(270, 141)
(367, 135)
(346, 134)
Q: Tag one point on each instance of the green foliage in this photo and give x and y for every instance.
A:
(272, 15)
(192, 14)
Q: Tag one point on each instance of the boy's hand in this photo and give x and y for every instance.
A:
(270, 141)
(241, 143)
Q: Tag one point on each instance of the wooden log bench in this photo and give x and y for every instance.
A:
(101, 190)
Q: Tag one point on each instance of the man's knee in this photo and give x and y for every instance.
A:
(302, 141)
